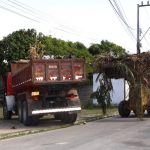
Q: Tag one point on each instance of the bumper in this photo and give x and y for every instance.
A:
(56, 110)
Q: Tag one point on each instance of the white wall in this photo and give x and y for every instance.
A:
(117, 94)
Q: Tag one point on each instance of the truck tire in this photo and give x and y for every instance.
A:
(57, 116)
(6, 113)
(68, 118)
(27, 120)
(134, 111)
(20, 111)
(123, 109)
(148, 111)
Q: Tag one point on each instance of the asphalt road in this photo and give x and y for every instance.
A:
(107, 134)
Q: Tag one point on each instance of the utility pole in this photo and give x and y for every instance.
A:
(138, 25)
(138, 31)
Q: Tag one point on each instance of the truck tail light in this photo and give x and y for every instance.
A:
(72, 95)
(35, 95)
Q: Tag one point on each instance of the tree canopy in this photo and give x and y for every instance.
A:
(16, 46)
(106, 47)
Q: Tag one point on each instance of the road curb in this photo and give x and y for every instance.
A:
(94, 118)
(81, 120)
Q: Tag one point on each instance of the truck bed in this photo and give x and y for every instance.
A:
(52, 71)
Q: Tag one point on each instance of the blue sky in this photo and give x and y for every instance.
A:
(87, 21)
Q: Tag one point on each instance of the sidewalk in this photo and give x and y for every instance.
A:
(12, 128)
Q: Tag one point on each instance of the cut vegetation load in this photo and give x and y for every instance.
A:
(135, 69)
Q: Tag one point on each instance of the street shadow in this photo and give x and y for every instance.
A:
(45, 122)
(131, 118)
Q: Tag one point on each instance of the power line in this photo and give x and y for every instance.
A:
(61, 27)
(138, 25)
(36, 12)
(22, 9)
(17, 13)
(145, 33)
(147, 41)
(118, 12)
(26, 9)
(124, 15)
(25, 6)
(123, 19)
(17, 10)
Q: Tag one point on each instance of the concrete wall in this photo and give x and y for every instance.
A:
(84, 92)
(117, 94)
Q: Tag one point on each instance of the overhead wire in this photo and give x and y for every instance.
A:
(24, 6)
(118, 12)
(60, 27)
(33, 10)
(145, 33)
(18, 9)
(17, 13)
(124, 20)
(121, 14)
(24, 9)
(38, 12)
(34, 13)
(124, 15)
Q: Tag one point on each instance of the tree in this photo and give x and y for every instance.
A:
(58, 47)
(16, 45)
(109, 47)
(94, 49)
(79, 46)
(106, 47)
(102, 94)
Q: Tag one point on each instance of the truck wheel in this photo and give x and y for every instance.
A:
(148, 111)
(57, 116)
(27, 120)
(134, 111)
(123, 109)
(20, 111)
(69, 118)
(6, 113)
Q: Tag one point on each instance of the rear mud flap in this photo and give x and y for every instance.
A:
(10, 102)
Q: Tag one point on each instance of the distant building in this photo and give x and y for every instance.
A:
(120, 90)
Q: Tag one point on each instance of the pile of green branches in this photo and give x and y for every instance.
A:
(133, 68)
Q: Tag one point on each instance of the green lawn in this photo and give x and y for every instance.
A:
(98, 111)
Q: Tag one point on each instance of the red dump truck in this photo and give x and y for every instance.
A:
(38, 87)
